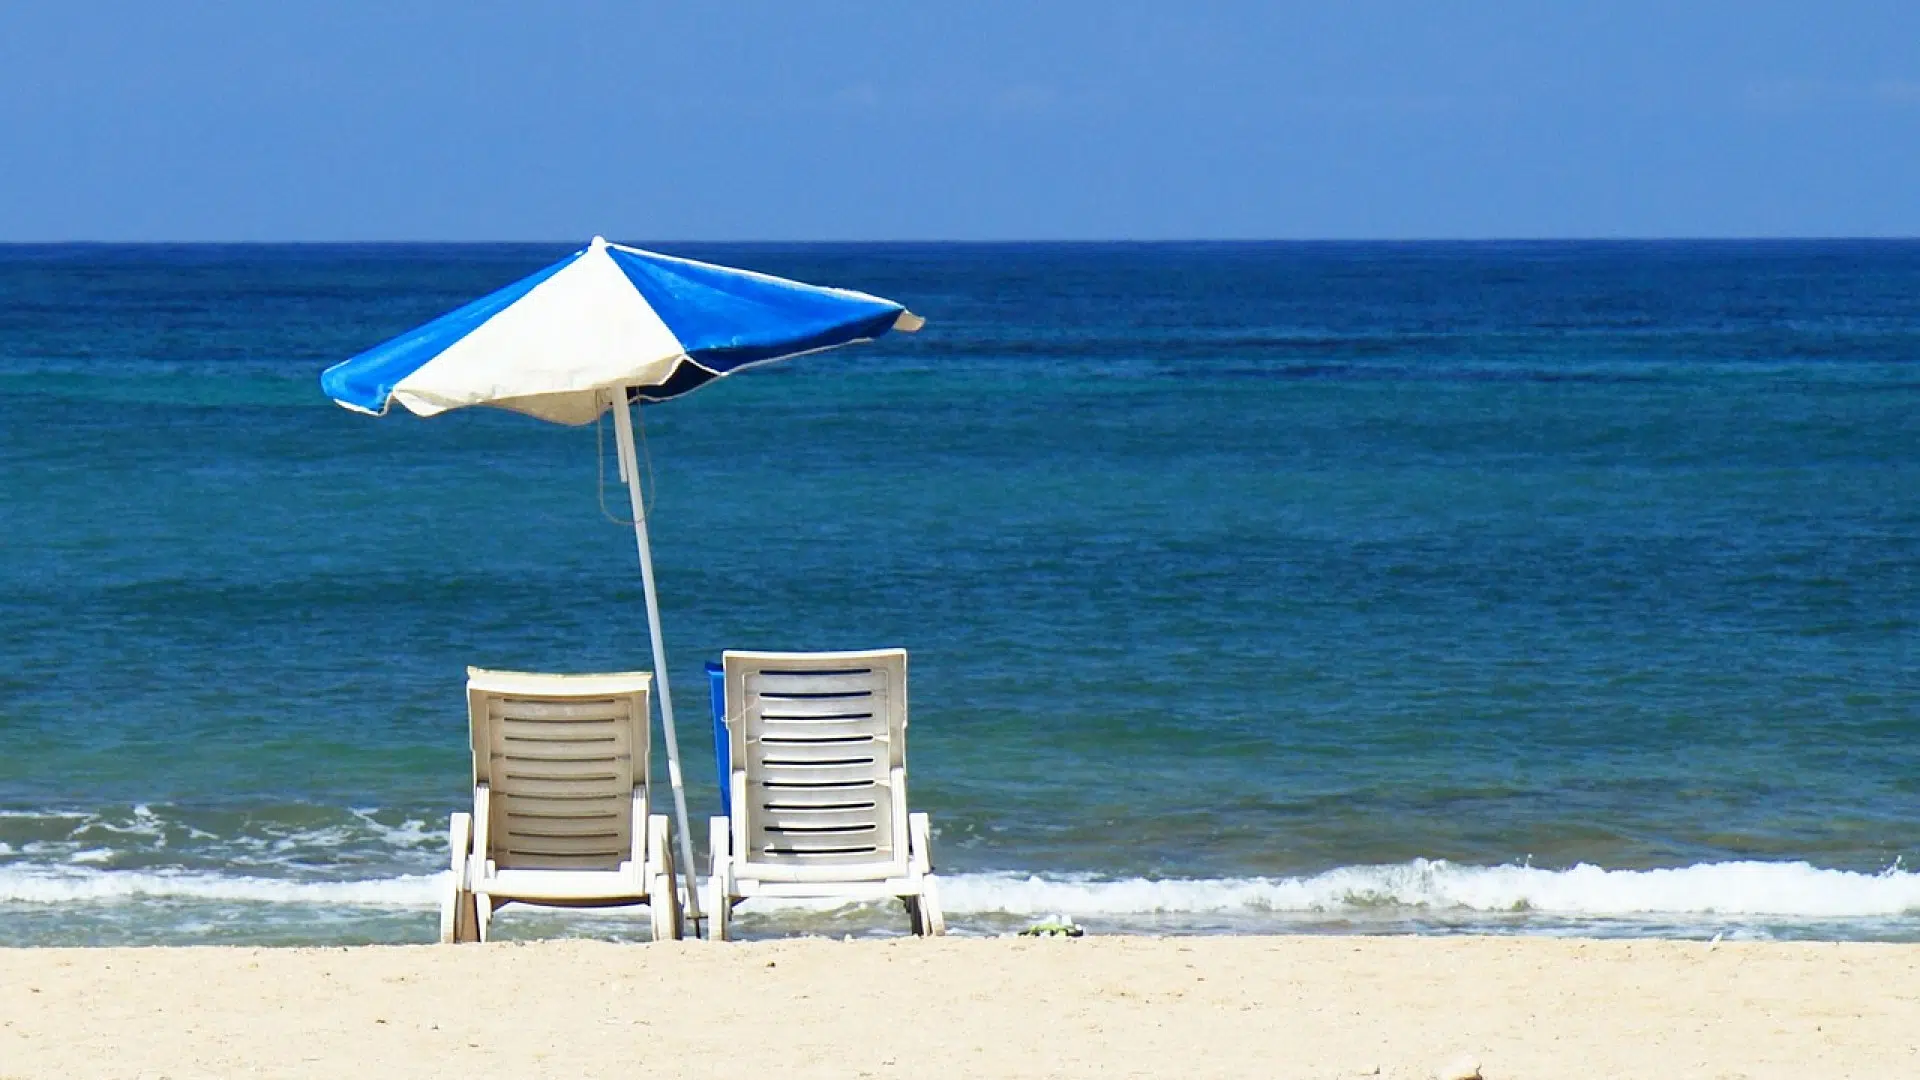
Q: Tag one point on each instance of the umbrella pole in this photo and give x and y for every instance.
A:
(630, 469)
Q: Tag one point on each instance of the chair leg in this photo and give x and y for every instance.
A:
(934, 920)
(929, 920)
(661, 903)
(458, 921)
(450, 900)
(483, 907)
(663, 899)
(914, 920)
(466, 919)
(452, 903)
(720, 851)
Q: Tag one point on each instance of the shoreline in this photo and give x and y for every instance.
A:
(1305, 1007)
(48, 903)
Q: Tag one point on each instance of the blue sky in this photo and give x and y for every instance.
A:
(1080, 120)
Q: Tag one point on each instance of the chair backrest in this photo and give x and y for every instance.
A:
(820, 741)
(563, 756)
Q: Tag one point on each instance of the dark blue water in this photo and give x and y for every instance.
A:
(1538, 587)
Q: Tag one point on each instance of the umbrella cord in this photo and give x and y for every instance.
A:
(600, 468)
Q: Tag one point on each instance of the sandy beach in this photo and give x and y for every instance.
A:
(1258, 1007)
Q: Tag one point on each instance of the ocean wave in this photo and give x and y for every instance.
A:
(1767, 889)
(213, 840)
(43, 885)
(1764, 890)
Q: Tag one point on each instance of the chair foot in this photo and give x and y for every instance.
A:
(720, 852)
(466, 919)
(458, 922)
(933, 921)
(483, 908)
(663, 897)
(663, 909)
(928, 919)
(459, 918)
(450, 911)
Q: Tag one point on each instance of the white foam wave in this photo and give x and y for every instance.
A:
(44, 886)
(411, 834)
(251, 844)
(1783, 890)
(1789, 891)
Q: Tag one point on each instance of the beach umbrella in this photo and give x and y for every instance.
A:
(607, 326)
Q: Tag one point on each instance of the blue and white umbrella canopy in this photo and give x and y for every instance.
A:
(602, 328)
(552, 343)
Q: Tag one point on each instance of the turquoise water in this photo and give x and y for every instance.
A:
(1505, 587)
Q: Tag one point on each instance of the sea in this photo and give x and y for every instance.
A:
(1563, 588)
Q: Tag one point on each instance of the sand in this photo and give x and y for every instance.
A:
(1177, 1007)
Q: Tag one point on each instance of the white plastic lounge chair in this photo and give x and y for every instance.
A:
(559, 802)
(818, 743)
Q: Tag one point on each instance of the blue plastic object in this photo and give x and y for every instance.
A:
(722, 747)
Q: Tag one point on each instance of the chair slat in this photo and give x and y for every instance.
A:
(565, 806)
(779, 684)
(862, 707)
(519, 859)
(800, 820)
(855, 797)
(598, 774)
(563, 750)
(549, 711)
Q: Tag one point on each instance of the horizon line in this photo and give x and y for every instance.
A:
(1003, 241)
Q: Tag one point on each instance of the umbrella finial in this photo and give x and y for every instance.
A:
(597, 243)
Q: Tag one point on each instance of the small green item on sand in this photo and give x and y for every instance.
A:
(1053, 929)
